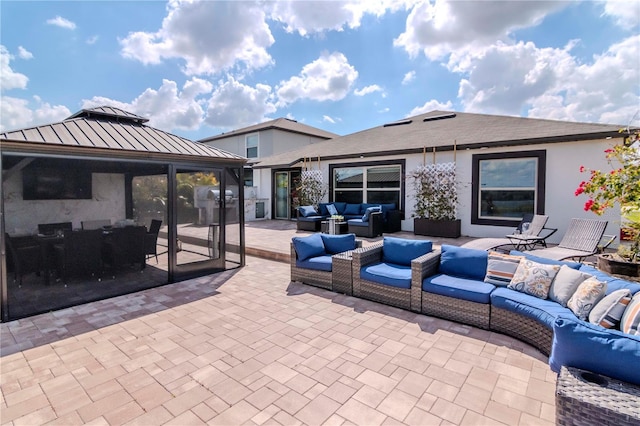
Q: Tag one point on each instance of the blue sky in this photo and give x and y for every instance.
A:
(198, 69)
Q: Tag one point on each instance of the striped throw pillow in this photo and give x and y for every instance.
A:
(630, 323)
(608, 312)
(500, 268)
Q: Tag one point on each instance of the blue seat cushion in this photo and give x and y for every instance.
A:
(544, 311)
(460, 288)
(307, 247)
(357, 222)
(402, 251)
(311, 219)
(388, 274)
(545, 261)
(463, 262)
(318, 263)
(591, 347)
(338, 243)
(307, 211)
(353, 209)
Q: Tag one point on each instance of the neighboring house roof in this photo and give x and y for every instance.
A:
(108, 132)
(442, 130)
(284, 124)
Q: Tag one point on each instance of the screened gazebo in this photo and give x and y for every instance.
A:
(100, 204)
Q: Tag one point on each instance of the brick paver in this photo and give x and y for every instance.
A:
(250, 347)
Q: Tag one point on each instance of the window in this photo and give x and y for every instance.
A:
(368, 183)
(251, 142)
(248, 176)
(506, 186)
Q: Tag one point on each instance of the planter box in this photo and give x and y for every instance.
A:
(437, 228)
(615, 267)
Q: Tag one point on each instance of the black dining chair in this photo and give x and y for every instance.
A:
(23, 257)
(125, 246)
(80, 254)
(151, 239)
(53, 228)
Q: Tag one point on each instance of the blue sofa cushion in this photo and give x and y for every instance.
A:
(353, 209)
(613, 283)
(340, 206)
(387, 208)
(322, 209)
(460, 288)
(338, 243)
(357, 222)
(307, 247)
(307, 211)
(319, 263)
(331, 209)
(545, 261)
(402, 251)
(590, 347)
(463, 262)
(388, 274)
(544, 311)
(368, 211)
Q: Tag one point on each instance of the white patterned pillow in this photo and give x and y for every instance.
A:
(501, 268)
(588, 293)
(533, 278)
(565, 284)
(608, 312)
(630, 323)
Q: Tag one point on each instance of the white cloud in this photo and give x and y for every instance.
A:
(625, 13)
(332, 120)
(384, 110)
(92, 39)
(431, 106)
(550, 82)
(167, 108)
(61, 22)
(308, 17)
(208, 36)
(10, 79)
(328, 78)
(444, 26)
(16, 113)
(409, 77)
(234, 104)
(24, 53)
(367, 90)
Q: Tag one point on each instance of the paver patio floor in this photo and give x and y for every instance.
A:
(250, 347)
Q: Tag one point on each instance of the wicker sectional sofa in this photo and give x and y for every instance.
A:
(310, 220)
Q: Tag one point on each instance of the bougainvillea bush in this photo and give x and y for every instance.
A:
(618, 186)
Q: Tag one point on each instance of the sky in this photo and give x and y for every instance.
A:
(198, 69)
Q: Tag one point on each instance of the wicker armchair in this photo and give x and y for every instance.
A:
(405, 298)
(324, 279)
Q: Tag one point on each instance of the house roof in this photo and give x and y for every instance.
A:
(442, 130)
(109, 132)
(284, 124)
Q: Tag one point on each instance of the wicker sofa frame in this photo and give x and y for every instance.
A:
(409, 299)
(341, 269)
(522, 328)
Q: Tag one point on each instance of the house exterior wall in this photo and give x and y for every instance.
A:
(563, 161)
(107, 203)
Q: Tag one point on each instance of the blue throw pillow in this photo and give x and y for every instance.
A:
(338, 243)
(463, 262)
(546, 261)
(367, 213)
(332, 209)
(402, 251)
(307, 211)
(307, 247)
(352, 209)
(340, 206)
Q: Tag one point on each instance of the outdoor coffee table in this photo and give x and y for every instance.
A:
(585, 398)
(340, 227)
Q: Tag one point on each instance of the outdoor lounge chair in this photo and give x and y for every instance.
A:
(581, 240)
(535, 236)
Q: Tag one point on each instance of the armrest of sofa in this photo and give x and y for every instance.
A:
(366, 256)
(594, 348)
(421, 267)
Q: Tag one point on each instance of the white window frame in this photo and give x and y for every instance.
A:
(257, 146)
(365, 189)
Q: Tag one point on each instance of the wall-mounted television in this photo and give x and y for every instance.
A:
(56, 184)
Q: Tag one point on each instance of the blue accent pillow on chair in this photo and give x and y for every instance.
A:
(367, 213)
(307, 247)
(332, 209)
(402, 251)
(338, 243)
(307, 211)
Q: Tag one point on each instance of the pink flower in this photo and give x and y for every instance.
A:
(580, 190)
(582, 169)
(588, 205)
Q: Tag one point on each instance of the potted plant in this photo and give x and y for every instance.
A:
(309, 189)
(436, 199)
(619, 186)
